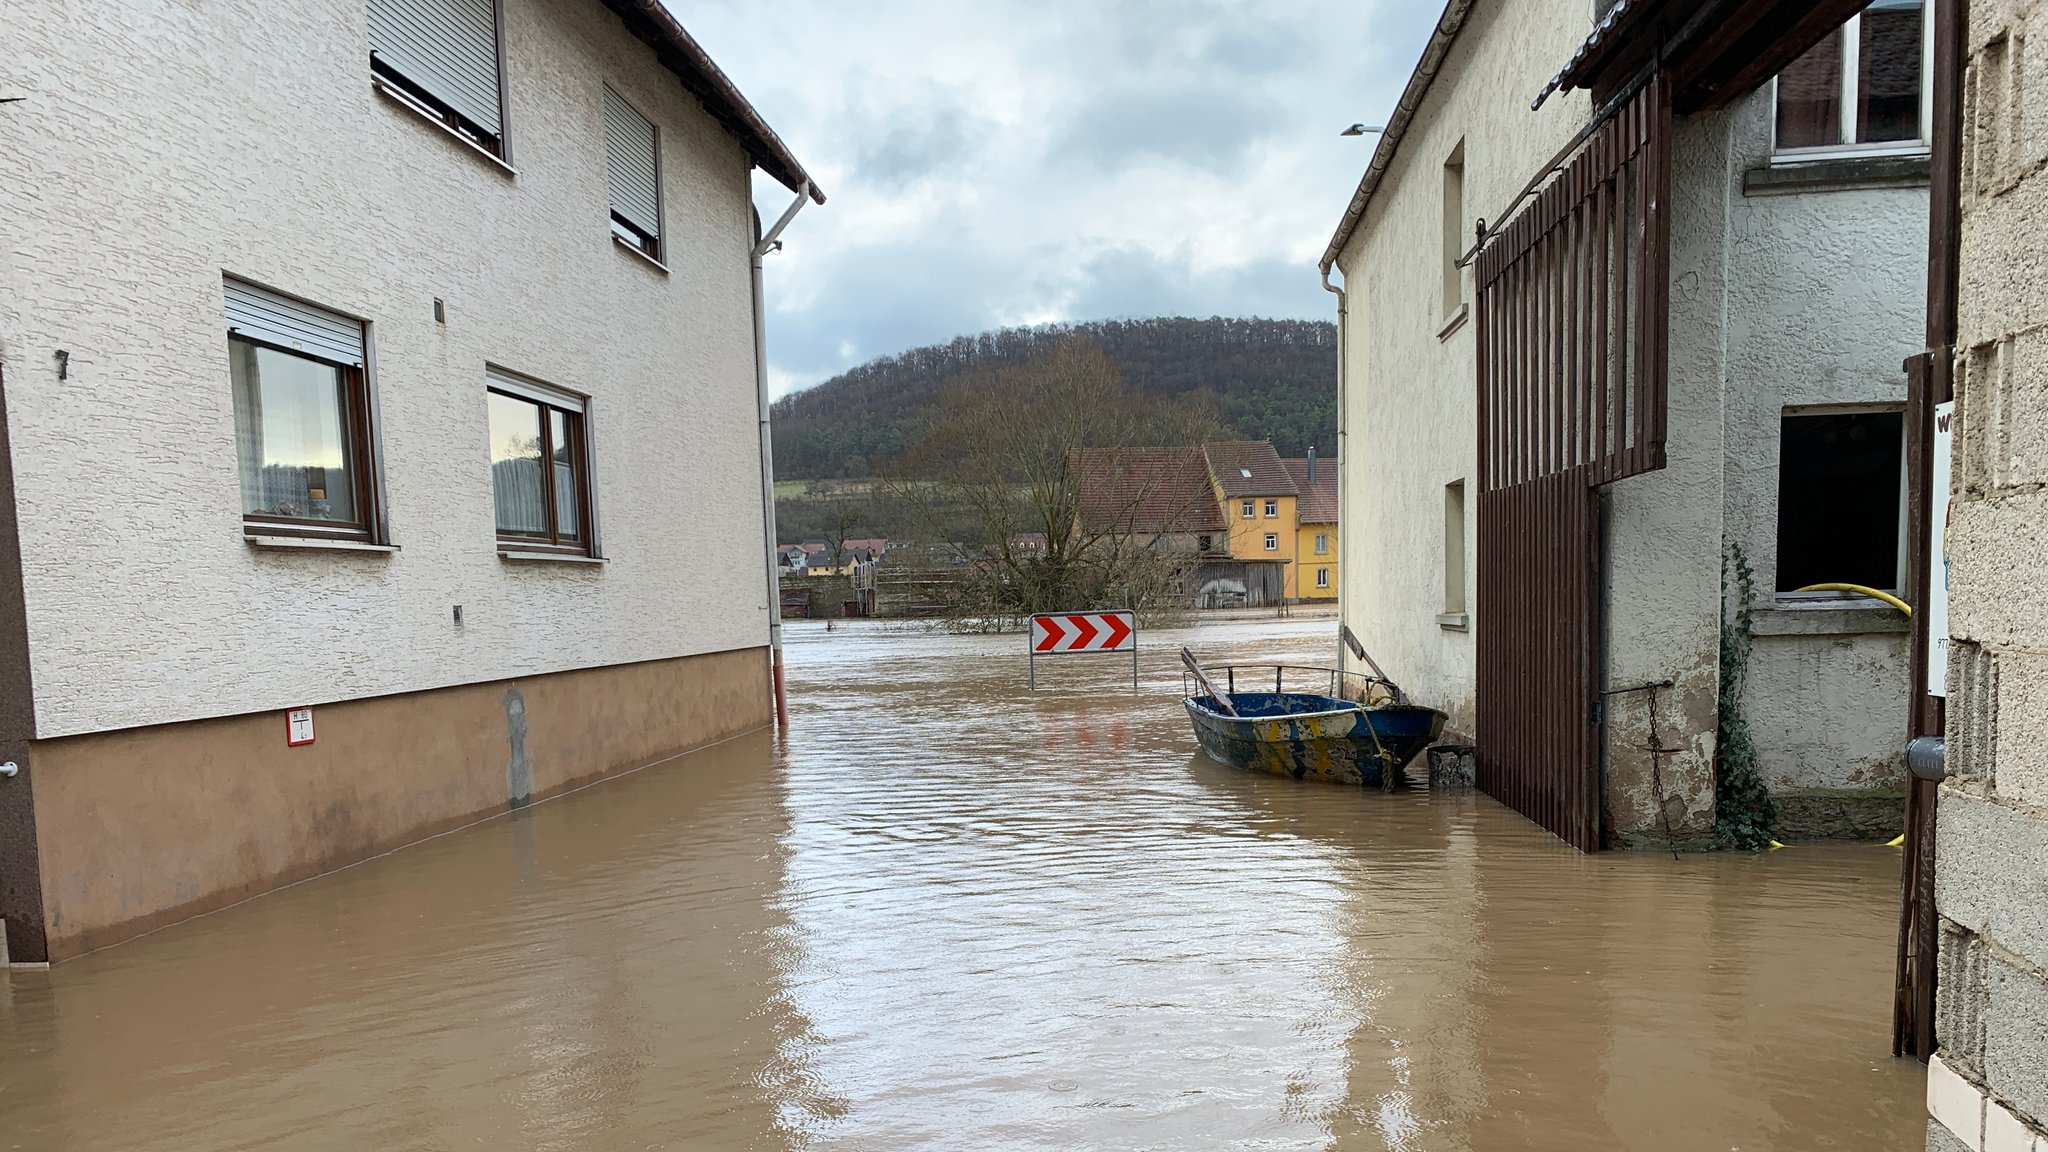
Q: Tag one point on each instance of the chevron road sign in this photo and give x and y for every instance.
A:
(1059, 633)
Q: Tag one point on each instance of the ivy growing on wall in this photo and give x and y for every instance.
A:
(1744, 813)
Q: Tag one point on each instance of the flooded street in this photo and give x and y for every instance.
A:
(952, 914)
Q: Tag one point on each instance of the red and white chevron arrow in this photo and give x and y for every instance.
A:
(1083, 632)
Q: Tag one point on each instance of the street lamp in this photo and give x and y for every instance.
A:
(1363, 129)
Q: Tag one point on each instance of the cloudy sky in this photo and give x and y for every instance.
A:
(998, 162)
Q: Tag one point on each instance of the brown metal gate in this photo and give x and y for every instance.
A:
(1571, 336)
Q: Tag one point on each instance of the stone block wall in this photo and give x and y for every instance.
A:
(1988, 1086)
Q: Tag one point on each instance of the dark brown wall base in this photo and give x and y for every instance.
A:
(144, 827)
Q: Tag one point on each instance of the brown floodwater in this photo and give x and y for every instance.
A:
(952, 914)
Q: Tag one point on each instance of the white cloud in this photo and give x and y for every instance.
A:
(1006, 162)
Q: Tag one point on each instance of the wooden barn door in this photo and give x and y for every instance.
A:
(1571, 346)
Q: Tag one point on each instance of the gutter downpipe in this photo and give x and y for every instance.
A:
(1343, 454)
(770, 243)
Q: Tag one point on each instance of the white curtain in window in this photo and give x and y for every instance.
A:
(248, 422)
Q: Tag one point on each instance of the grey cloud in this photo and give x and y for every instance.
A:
(1129, 282)
(978, 157)
(1204, 128)
(907, 149)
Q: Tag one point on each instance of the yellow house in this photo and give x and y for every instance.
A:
(1314, 574)
(1259, 499)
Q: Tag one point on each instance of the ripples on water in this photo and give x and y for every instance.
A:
(951, 914)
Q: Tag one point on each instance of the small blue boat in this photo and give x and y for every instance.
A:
(1310, 735)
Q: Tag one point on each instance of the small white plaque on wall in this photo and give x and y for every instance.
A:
(298, 727)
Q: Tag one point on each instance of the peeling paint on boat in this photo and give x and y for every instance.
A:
(1311, 737)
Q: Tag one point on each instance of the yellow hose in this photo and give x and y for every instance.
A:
(1860, 590)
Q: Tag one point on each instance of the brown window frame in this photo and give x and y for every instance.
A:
(368, 526)
(579, 446)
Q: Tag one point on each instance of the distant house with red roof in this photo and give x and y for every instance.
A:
(1256, 528)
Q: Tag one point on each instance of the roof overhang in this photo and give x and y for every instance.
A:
(1433, 54)
(680, 53)
(1715, 51)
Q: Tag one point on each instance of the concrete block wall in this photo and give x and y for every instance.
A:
(1988, 1087)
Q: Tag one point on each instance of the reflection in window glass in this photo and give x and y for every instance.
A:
(516, 473)
(1888, 72)
(292, 434)
(1810, 97)
(565, 474)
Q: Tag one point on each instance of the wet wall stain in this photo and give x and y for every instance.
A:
(518, 773)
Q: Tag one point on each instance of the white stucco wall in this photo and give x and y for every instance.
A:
(1664, 533)
(1826, 299)
(162, 145)
(1408, 413)
(1809, 297)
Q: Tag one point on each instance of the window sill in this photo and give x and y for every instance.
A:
(1790, 174)
(523, 556)
(403, 99)
(1826, 618)
(633, 250)
(316, 543)
(1453, 621)
(1456, 321)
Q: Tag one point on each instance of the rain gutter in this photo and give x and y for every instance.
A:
(1343, 351)
(770, 243)
(1433, 54)
(680, 53)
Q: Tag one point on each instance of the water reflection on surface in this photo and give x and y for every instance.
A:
(952, 914)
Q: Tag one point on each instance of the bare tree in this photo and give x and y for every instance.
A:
(1011, 446)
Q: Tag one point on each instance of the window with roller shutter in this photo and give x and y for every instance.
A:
(441, 58)
(633, 161)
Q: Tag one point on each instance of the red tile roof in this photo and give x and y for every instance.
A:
(1249, 468)
(1146, 490)
(1319, 500)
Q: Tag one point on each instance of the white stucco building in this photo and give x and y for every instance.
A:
(1796, 216)
(395, 360)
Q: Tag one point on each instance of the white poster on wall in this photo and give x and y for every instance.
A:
(1937, 554)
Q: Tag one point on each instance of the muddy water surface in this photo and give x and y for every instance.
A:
(952, 914)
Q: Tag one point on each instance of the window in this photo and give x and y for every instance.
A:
(633, 159)
(1322, 577)
(441, 58)
(1272, 509)
(302, 416)
(1272, 541)
(1322, 543)
(1247, 509)
(540, 466)
(1454, 548)
(1839, 483)
(1863, 87)
(1205, 543)
(1454, 229)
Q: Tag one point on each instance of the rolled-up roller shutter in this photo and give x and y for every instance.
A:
(635, 175)
(264, 315)
(447, 47)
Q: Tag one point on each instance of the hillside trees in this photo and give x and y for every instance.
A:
(995, 451)
(1262, 379)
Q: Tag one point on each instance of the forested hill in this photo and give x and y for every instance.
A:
(1268, 379)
